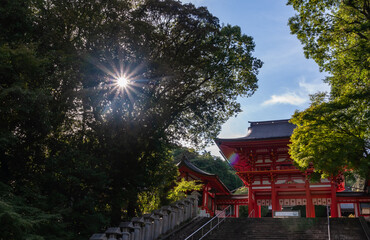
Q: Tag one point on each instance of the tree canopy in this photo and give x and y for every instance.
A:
(76, 148)
(333, 136)
(333, 133)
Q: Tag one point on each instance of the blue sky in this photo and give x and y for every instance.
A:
(286, 78)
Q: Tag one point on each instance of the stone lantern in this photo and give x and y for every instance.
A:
(158, 223)
(149, 224)
(98, 236)
(113, 233)
(138, 223)
(127, 229)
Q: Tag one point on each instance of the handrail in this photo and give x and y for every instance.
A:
(327, 214)
(225, 213)
(365, 227)
(250, 213)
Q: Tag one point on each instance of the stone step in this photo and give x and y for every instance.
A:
(299, 228)
(186, 229)
(341, 227)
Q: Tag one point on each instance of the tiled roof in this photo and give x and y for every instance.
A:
(266, 130)
(187, 163)
(212, 179)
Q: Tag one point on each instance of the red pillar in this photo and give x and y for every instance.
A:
(279, 207)
(334, 203)
(356, 205)
(213, 206)
(274, 201)
(204, 197)
(250, 202)
(310, 208)
(313, 213)
(257, 210)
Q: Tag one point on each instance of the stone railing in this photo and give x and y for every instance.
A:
(151, 226)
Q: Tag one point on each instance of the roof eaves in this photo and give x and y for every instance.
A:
(191, 166)
(246, 139)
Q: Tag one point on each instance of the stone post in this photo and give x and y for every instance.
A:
(188, 202)
(181, 217)
(98, 236)
(166, 210)
(113, 233)
(138, 223)
(148, 220)
(172, 218)
(127, 229)
(174, 215)
(195, 195)
(158, 222)
(191, 199)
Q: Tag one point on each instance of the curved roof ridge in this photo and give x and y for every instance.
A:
(270, 121)
(187, 163)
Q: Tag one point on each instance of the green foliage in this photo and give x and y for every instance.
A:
(149, 201)
(243, 211)
(302, 208)
(20, 219)
(210, 164)
(241, 190)
(79, 153)
(182, 188)
(174, 191)
(333, 133)
(320, 211)
(264, 211)
(336, 35)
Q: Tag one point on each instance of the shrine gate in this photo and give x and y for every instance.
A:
(262, 162)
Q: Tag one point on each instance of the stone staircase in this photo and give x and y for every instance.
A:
(346, 229)
(291, 229)
(183, 231)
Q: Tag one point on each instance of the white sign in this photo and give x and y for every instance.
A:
(287, 214)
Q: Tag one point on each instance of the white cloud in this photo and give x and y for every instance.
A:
(287, 98)
(314, 87)
(299, 96)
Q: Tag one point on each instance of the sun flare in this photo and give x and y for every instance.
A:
(122, 82)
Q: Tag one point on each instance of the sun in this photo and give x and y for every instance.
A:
(122, 82)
